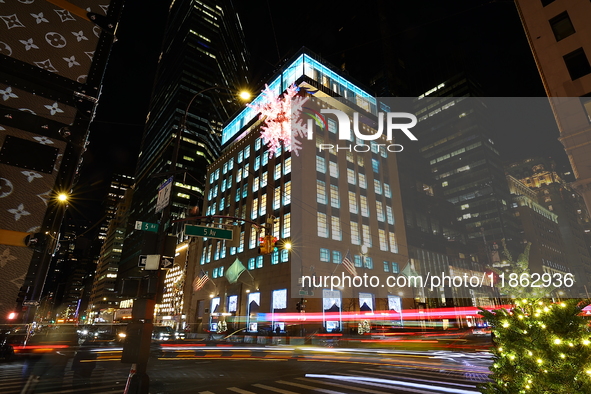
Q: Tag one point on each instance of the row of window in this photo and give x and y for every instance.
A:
(276, 258)
(387, 240)
(360, 261)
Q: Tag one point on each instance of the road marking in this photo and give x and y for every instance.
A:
(305, 386)
(206, 392)
(240, 391)
(276, 390)
(343, 386)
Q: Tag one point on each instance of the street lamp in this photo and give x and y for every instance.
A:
(139, 331)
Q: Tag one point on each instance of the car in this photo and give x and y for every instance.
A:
(166, 333)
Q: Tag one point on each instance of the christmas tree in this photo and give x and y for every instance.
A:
(540, 348)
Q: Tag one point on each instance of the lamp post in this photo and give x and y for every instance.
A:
(139, 330)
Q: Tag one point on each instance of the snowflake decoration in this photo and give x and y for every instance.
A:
(281, 119)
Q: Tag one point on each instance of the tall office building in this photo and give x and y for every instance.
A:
(331, 206)
(559, 35)
(455, 138)
(103, 299)
(118, 186)
(203, 47)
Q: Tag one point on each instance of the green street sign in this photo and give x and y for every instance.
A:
(209, 232)
(145, 226)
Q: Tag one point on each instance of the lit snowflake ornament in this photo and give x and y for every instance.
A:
(281, 119)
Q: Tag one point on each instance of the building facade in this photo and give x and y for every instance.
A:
(560, 39)
(330, 206)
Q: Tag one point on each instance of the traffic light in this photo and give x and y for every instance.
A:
(301, 306)
(22, 295)
(267, 244)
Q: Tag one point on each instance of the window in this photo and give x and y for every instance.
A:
(362, 182)
(264, 180)
(375, 165)
(241, 245)
(353, 203)
(351, 176)
(325, 255)
(377, 186)
(336, 228)
(395, 268)
(238, 195)
(357, 261)
(275, 257)
(257, 144)
(245, 190)
(334, 169)
(240, 157)
(380, 211)
(257, 163)
(562, 26)
(287, 225)
(322, 225)
(366, 235)
(320, 192)
(577, 64)
(239, 175)
(284, 255)
(255, 209)
(389, 215)
(334, 197)
(382, 239)
(355, 240)
(263, 208)
(336, 256)
(259, 261)
(225, 169)
(277, 198)
(251, 263)
(387, 191)
(393, 244)
(287, 194)
(253, 239)
(255, 185)
(368, 263)
(265, 159)
(320, 164)
(287, 166)
(215, 273)
(277, 171)
(364, 207)
(332, 126)
(247, 152)
(386, 266)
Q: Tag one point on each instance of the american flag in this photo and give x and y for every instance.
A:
(349, 264)
(200, 281)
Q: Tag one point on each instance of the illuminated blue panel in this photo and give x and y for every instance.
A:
(304, 65)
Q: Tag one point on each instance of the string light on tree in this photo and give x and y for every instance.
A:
(554, 356)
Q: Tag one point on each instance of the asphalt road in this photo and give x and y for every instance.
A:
(272, 370)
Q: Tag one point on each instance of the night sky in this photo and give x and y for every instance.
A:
(431, 38)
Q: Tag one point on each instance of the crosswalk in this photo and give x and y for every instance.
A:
(14, 379)
(379, 380)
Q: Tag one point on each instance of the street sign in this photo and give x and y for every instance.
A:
(164, 195)
(152, 262)
(166, 263)
(145, 226)
(35, 303)
(209, 232)
(142, 261)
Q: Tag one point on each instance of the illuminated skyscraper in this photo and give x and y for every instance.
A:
(203, 47)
